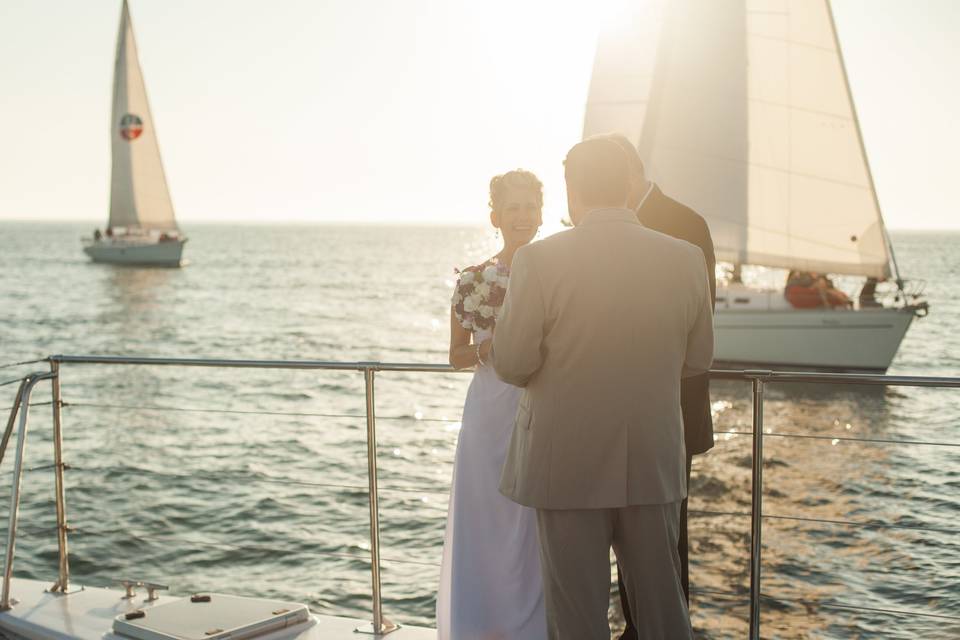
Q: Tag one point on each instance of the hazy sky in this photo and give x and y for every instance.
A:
(398, 111)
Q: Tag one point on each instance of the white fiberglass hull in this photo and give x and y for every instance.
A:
(166, 253)
(823, 339)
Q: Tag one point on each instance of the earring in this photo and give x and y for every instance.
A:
(496, 234)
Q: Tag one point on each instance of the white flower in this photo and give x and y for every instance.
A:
(471, 303)
(490, 274)
(483, 289)
(485, 311)
(466, 277)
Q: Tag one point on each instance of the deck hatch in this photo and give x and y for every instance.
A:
(219, 618)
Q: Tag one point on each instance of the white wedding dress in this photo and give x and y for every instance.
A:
(490, 584)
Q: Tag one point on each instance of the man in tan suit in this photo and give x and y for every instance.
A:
(599, 324)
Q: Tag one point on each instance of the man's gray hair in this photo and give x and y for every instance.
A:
(598, 171)
(636, 163)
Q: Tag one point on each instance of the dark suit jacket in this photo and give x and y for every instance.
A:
(666, 215)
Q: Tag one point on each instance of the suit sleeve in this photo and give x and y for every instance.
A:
(516, 350)
(706, 245)
(699, 354)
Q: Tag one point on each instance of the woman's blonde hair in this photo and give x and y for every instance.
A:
(518, 179)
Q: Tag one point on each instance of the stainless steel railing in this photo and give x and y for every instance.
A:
(380, 625)
(21, 407)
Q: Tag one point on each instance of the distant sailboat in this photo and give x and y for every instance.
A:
(142, 228)
(741, 110)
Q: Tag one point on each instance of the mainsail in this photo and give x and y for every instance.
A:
(139, 197)
(741, 110)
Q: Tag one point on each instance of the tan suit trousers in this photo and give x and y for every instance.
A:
(575, 560)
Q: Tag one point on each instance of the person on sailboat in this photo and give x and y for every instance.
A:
(661, 213)
(868, 294)
(832, 296)
(97, 235)
(808, 290)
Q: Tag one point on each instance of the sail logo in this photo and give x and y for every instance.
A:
(131, 127)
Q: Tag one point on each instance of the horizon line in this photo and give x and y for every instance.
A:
(346, 222)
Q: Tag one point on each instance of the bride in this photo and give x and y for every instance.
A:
(490, 584)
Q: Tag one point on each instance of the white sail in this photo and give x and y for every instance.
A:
(623, 73)
(740, 109)
(139, 197)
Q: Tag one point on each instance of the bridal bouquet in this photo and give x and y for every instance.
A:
(479, 294)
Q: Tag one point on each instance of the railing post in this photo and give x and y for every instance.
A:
(380, 625)
(12, 420)
(756, 508)
(24, 397)
(63, 576)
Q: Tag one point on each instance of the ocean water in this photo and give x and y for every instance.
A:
(254, 482)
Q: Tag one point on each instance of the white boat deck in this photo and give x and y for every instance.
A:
(89, 614)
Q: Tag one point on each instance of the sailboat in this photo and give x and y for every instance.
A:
(142, 229)
(741, 109)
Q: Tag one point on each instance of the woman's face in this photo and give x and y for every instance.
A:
(519, 216)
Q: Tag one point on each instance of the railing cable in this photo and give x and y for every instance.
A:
(703, 512)
(855, 607)
(840, 438)
(862, 525)
(845, 523)
(43, 467)
(214, 477)
(295, 414)
(18, 364)
(309, 414)
(146, 537)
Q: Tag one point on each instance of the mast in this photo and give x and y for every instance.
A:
(863, 150)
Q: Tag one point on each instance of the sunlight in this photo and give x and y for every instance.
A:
(534, 61)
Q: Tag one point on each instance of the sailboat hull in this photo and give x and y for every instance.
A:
(149, 253)
(850, 340)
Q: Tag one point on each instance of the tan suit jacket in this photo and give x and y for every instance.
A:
(599, 324)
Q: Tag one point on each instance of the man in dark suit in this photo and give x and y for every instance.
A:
(661, 213)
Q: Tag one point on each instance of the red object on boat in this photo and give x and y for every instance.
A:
(803, 297)
(815, 297)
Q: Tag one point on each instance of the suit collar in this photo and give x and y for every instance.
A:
(599, 216)
(652, 198)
